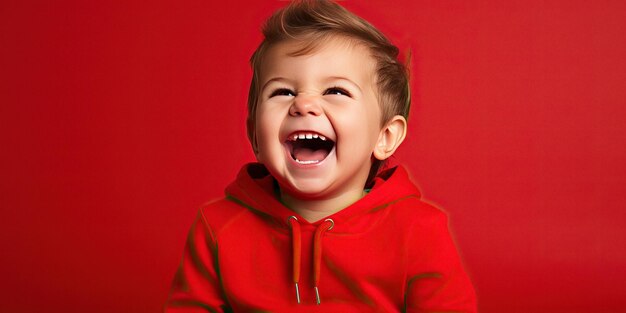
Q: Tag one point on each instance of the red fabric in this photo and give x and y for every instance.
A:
(388, 252)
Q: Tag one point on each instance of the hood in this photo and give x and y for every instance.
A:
(256, 189)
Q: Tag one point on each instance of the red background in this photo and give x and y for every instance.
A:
(119, 118)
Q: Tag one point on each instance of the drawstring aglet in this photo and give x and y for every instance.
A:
(297, 293)
(317, 296)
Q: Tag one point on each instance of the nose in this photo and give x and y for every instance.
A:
(304, 105)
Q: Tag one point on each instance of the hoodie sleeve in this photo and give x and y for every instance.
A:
(436, 280)
(196, 286)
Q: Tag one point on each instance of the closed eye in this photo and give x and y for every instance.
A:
(282, 92)
(337, 91)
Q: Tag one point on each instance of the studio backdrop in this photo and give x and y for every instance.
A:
(118, 119)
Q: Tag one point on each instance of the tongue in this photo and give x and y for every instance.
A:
(304, 154)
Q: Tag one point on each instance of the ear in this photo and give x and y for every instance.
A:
(390, 137)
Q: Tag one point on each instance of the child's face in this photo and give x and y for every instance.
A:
(329, 94)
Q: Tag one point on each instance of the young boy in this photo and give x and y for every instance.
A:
(315, 225)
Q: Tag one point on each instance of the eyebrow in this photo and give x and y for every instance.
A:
(332, 78)
(275, 79)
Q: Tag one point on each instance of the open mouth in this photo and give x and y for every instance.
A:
(309, 147)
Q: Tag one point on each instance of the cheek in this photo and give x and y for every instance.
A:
(267, 129)
(359, 131)
(263, 139)
(264, 132)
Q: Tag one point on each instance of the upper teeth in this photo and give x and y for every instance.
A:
(307, 136)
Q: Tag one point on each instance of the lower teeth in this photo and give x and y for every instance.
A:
(308, 162)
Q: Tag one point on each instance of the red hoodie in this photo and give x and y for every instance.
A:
(387, 252)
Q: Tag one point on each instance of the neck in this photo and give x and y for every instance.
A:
(314, 210)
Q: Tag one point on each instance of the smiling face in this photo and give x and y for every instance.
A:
(318, 118)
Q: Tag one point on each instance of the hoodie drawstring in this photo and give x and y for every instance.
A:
(296, 243)
(296, 236)
(317, 253)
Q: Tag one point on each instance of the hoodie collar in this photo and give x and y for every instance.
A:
(255, 188)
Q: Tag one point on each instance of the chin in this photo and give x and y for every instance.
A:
(306, 189)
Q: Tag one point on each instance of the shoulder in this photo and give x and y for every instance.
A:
(429, 242)
(418, 213)
(422, 223)
(219, 213)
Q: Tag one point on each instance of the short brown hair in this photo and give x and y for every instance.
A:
(312, 22)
